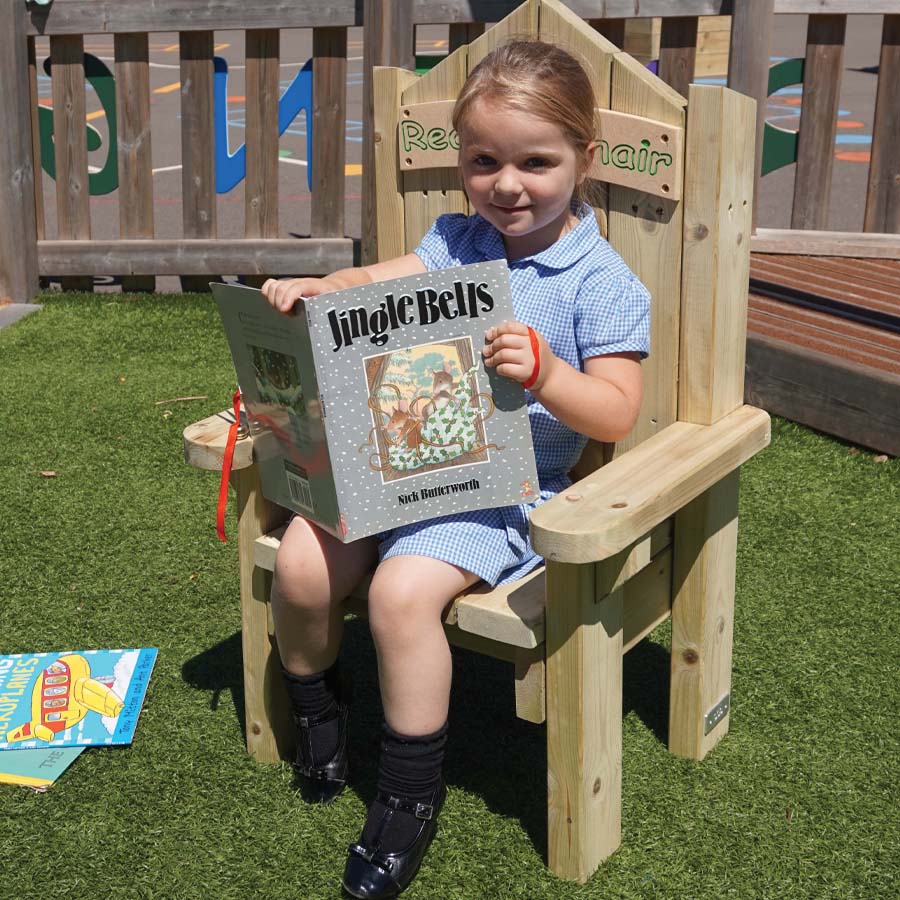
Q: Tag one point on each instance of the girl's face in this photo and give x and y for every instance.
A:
(520, 173)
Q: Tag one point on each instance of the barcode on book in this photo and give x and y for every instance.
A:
(298, 485)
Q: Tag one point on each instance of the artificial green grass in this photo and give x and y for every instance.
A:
(118, 550)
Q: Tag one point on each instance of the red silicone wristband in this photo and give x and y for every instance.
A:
(536, 350)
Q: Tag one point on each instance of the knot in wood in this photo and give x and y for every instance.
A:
(597, 786)
(256, 728)
(377, 137)
(701, 232)
(573, 497)
(691, 657)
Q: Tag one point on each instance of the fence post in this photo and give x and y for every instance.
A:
(18, 234)
(748, 65)
(388, 40)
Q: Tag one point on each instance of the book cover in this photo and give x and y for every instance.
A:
(77, 698)
(372, 407)
(36, 769)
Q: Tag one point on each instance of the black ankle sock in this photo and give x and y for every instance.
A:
(315, 696)
(409, 769)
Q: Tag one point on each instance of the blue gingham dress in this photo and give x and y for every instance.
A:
(584, 300)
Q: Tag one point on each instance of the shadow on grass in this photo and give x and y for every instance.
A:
(492, 754)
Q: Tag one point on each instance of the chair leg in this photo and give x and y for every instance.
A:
(703, 619)
(269, 735)
(583, 635)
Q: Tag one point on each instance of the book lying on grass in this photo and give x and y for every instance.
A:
(371, 407)
(78, 698)
(36, 769)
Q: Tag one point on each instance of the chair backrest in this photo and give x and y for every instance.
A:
(676, 201)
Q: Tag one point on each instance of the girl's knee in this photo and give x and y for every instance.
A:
(300, 573)
(399, 608)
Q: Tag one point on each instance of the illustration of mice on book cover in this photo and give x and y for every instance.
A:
(428, 412)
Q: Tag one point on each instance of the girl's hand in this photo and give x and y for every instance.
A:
(283, 294)
(508, 348)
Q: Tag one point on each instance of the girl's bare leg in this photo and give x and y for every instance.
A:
(314, 572)
(406, 600)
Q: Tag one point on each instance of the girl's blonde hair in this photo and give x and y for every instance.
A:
(536, 78)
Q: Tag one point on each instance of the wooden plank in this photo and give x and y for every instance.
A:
(883, 190)
(642, 39)
(826, 243)
(310, 256)
(678, 52)
(713, 38)
(613, 507)
(113, 16)
(748, 65)
(818, 121)
(852, 401)
(646, 230)
(388, 40)
(268, 727)
(717, 222)
(262, 91)
(647, 600)
(35, 144)
(18, 245)
(389, 85)
(73, 211)
(584, 721)
(132, 64)
(198, 181)
(703, 618)
(430, 193)
(204, 448)
(330, 128)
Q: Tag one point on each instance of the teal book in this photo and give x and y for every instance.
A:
(36, 768)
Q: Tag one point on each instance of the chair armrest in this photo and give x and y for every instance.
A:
(204, 443)
(613, 507)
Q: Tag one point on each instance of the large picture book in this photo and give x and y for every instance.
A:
(78, 698)
(371, 407)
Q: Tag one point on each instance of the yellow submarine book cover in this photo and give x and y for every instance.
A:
(78, 698)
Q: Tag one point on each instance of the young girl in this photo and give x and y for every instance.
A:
(525, 120)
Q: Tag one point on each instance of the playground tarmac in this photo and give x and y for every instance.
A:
(851, 147)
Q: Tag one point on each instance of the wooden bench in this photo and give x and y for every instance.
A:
(651, 533)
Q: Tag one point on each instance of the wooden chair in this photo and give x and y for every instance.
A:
(651, 533)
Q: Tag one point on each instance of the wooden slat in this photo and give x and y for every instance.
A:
(431, 192)
(18, 232)
(389, 85)
(713, 37)
(388, 40)
(262, 90)
(135, 160)
(678, 52)
(703, 617)
(646, 230)
(717, 222)
(748, 66)
(613, 507)
(818, 121)
(584, 721)
(826, 243)
(311, 256)
(35, 141)
(531, 686)
(330, 128)
(883, 191)
(73, 211)
(198, 180)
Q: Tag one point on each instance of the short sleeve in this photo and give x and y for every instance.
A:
(612, 315)
(437, 247)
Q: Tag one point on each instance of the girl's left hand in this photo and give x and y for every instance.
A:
(508, 348)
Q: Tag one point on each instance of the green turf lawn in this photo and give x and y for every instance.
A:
(119, 550)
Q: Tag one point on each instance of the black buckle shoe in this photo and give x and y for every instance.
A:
(322, 783)
(374, 874)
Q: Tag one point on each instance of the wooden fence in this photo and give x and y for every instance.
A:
(389, 39)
